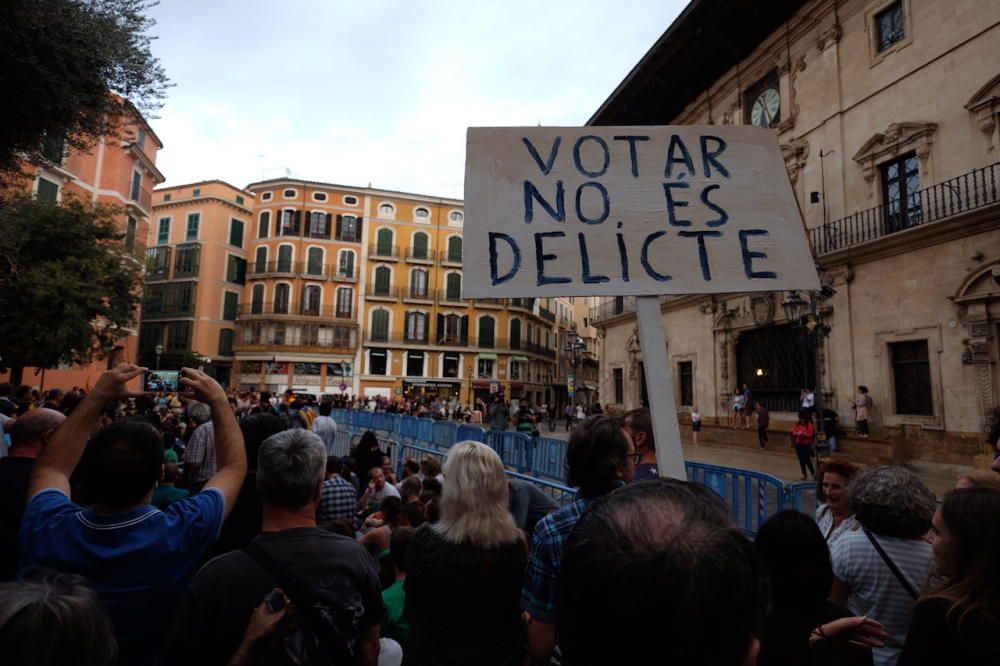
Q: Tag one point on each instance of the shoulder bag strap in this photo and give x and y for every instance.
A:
(892, 566)
(295, 591)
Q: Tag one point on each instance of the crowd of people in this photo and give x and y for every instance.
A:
(230, 534)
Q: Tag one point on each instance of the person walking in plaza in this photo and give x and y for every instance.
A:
(862, 410)
(695, 424)
(803, 439)
(739, 402)
(748, 406)
(499, 415)
(763, 421)
(808, 399)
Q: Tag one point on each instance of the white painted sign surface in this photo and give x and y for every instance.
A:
(613, 211)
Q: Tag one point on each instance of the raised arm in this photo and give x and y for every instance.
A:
(230, 451)
(58, 460)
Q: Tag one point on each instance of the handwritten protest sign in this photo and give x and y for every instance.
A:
(593, 211)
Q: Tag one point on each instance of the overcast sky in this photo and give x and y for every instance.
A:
(380, 91)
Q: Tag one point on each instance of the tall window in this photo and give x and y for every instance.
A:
(314, 261)
(193, 221)
(377, 361)
(418, 283)
(514, 369)
(451, 365)
(515, 333)
(685, 370)
(236, 269)
(226, 342)
(619, 382)
(136, 185)
(282, 296)
(890, 26)
(380, 325)
(260, 260)
(130, 227)
(311, 295)
(284, 259)
(449, 329)
(263, 224)
(345, 302)
(383, 242)
(415, 363)
(319, 225)
(178, 336)
(186, 261)
(230, 305)
(236, 232)
(487, 326)
(901, 192)
(484, 368)
(416, 327)
(47, 191)
(455, 249)
(290, 222)
(420, 246)
(911, 374)
(453, 286)
(345, 263)
(163, 232)
(348, 228)
(383, 280)
(257, 299)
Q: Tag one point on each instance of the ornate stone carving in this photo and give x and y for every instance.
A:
(829, 37)
(795, 153)
(985, 104)
(897, 138)
(762, 308)
(634, 348)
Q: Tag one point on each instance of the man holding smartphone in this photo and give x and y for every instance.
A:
(139, 559)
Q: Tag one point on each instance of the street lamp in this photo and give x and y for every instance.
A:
(805, 316)
(575, 350)
(159, 351)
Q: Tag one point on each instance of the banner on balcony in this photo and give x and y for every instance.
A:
(616, 211)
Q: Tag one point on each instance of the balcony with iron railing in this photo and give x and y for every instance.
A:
(968, 192)
(159, 310)
(451, 298)
(416, 255)
(617, 306)
(418, 295)
(383, 252)
(451, 258)
(337, 274)
(296, 310)
(547, 315)
(158, 263)
(380, 293)
(308, 338)
(535, 348)
(266, 269)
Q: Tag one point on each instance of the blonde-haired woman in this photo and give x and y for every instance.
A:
(464, 573)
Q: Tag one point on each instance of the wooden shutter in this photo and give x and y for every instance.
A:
(326, 231)
(465, 329)
(340, 228)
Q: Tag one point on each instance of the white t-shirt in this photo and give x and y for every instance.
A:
(875, 591)
(808, 400)
(388, 490)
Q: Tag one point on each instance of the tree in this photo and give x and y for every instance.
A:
(68, 288)
(70, 70)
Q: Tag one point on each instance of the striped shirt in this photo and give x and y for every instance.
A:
(875, 591)
(824, 519)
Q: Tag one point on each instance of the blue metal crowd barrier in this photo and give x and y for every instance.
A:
(751, 496)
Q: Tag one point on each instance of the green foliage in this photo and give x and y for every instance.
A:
(67, 68)
(68, 289)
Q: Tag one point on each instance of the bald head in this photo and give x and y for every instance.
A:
(33, 430)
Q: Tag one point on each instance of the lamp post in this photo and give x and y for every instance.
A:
(159, 352)
(806, 317)
(575, 350)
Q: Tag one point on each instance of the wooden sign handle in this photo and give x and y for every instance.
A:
(659, 379)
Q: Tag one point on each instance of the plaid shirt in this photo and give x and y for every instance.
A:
(340, 500)
(541, 579)
(201, 451)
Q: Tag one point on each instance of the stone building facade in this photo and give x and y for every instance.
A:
(886, 112)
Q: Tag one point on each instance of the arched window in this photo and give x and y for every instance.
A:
(383, 242)
(282, 296)
(418, 283)
(311, 296)
(284, 259)
(345, 303)
(345, 263)
(264, 224)
(455, 216)
(380, 325)
(487, 337)
(416, 327)
(314, 261)
(515, 333)
(383, 281)
(455, 249)
(453, 286)
(420, 245)
(257, 299)
(386, 210)
(260, 260)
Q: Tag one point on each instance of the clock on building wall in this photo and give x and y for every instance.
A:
(763, 103)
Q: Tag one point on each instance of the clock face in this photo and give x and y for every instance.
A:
(765, 109)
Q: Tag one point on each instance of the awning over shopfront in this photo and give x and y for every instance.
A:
(433, 383)
(486, 357)
(519, 358)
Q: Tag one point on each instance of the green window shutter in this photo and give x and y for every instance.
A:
(382, 275)
(383, 246)
(420, 246)
(226, 342)
(455, 248)
(454, 287)
(163, 233)
(380, 325)
(236, 232)
(465, 329)
(230, 305)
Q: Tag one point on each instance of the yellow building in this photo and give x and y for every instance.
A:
(358, 291)
(195, 272)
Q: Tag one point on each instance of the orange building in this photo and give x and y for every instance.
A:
(119, 170)
(195, 271)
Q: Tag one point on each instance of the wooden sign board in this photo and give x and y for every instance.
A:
(617, 211)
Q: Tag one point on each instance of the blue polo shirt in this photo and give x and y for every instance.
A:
(139, 561)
